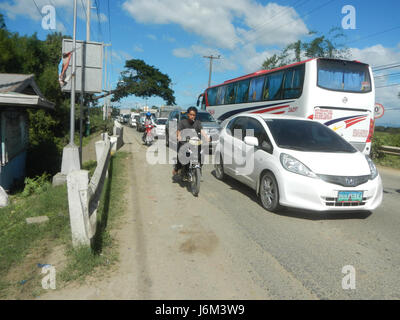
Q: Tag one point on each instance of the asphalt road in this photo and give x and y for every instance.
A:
(224, 245)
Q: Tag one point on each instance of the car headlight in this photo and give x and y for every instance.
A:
(372, 168)
(293, 165)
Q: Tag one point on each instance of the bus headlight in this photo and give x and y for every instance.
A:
(293, 165)
(372, 168)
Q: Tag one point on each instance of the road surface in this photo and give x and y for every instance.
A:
(224, 245)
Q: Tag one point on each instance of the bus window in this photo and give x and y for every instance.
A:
(343, 76)
(242, 91)
(256, 87)
(220, 95)
(273, 87)
(230, 93)
(211, 96)
(293, 85)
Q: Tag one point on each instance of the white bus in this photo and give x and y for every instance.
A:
(337, 93)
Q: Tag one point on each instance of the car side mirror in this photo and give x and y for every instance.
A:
(251, 141)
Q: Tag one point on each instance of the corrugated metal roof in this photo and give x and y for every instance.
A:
(12, 82)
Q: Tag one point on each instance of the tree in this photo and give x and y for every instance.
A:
(144, 81)
(321, 46)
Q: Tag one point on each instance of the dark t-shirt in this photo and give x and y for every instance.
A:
(185, 124)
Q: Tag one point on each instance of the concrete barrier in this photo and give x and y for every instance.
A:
(117, 139)
(84, 196)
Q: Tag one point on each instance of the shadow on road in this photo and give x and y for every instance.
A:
(293, 212)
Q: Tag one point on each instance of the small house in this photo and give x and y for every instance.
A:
(17, 93)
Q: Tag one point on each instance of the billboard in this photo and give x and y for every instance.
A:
(90, 56)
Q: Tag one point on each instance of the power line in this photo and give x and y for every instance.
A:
(38, 8)
(389, 85)
(272, 20)
(98, 20)
(385, 65)
(386, 75)
(373, 35)
(391, 67)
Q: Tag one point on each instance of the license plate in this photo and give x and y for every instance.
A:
(350, 196)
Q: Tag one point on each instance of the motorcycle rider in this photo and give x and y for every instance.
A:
(184, 124)
(149, 121)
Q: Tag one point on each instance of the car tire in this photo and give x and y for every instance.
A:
(269, 192)
(219, 169)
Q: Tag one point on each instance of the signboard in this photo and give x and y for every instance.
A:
(90, 55)
(379, 111)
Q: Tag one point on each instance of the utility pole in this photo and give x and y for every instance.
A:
(73, 79)
(211, 59)
(83, 52)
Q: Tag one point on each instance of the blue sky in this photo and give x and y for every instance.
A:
(174, 35)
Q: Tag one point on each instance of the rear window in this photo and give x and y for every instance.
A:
(345, 76)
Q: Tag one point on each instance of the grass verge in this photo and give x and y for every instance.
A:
(23, 246)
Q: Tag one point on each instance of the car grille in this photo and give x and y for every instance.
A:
(345, 181)
(332, 202)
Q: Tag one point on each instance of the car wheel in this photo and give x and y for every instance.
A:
(219, 169)
(269, 192)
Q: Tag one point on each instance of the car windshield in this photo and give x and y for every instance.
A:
(161, 121)
(309, 136)
(202, 117)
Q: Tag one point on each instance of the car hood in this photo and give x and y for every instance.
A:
(338, 164)
(210, 125)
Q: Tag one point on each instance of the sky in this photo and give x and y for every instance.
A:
(175, 35)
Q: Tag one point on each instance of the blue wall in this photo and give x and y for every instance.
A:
(13, 171)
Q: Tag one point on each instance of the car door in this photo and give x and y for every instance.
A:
(257, 157)
(233, 146)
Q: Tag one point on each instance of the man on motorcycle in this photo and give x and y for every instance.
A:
(148, 124)
(189, 123)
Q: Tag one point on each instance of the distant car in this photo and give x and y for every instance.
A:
(160, 127)
(126, 118)
(297, 163)
(210, 126)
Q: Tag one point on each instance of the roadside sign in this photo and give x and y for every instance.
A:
(379, 111)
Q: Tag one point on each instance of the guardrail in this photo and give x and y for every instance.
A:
(390, 150)
(84, 196)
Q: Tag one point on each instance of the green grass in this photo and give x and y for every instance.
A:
(389, 160)
(17, 238)
(84, 261)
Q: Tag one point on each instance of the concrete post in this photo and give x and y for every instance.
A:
(78, 202)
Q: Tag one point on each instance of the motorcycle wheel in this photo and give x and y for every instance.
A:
(195, 181)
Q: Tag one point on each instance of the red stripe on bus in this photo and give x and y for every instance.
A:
(354, 122)
(270, 109)
(280, 112)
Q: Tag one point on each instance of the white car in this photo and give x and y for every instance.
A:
(160, 127)
(298, 163)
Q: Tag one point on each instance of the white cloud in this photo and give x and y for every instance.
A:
(138, 48)
(379, 55)
(216, 22)
(152, 37)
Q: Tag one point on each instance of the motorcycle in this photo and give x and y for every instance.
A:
(148, 137)
(192, 170)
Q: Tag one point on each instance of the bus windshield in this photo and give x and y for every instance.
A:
(343, 76)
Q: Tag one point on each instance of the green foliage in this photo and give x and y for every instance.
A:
(36, 185)
(144, 81)
(376, 153)
(322, 46)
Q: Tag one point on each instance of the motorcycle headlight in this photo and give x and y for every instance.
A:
(293, 165)
(372, 168)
